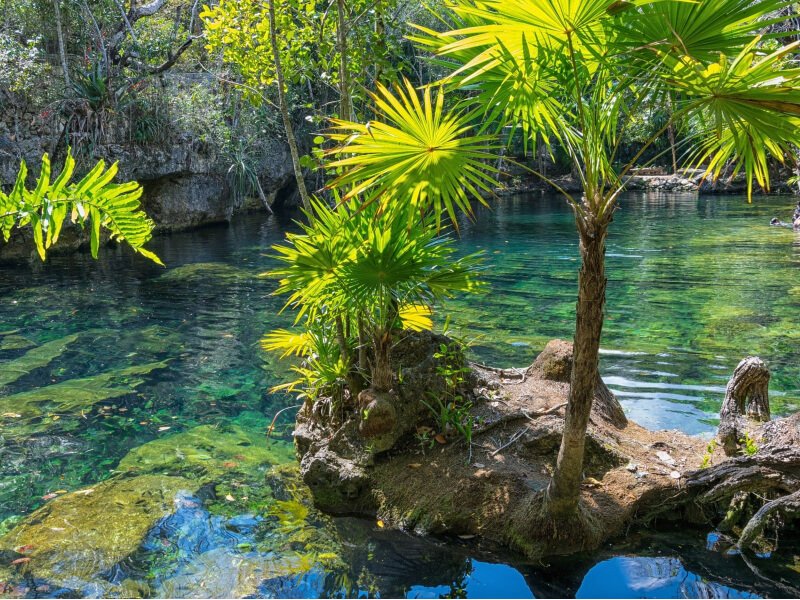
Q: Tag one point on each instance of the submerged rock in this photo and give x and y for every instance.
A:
(76, 538)
(208, 453)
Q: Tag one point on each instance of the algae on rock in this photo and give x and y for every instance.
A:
(76, 395)
(75, 538)
(34, 359)
(220, 273)
(208, 452)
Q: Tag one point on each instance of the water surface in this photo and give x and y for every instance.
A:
(101, 357)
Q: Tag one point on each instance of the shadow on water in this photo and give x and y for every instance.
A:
(98, 358)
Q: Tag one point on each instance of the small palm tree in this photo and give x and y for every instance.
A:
(93, 201)
(577, 72)
(366, 273)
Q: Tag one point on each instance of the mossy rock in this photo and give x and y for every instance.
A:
(76, 395)
(39, 357)
(209, 453)
(16, 342)
(74, 538)
(220, 273)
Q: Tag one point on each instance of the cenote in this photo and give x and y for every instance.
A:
(117, 366)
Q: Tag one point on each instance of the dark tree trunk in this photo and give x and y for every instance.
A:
(746, 396)
(564, 489)
(382, 375)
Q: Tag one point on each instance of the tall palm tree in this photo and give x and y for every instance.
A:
(577, 72)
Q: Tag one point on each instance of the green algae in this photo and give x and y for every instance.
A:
(16, 342)
(75, 396)
(217, 272)
(34, 359)
(209, 453)
(72, 540)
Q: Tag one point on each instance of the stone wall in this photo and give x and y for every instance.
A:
(185, 183)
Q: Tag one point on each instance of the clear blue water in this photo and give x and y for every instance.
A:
(694, 286)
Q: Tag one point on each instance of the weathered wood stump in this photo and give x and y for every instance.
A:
(746, 397)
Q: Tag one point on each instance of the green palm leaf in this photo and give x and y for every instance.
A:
(420, 153)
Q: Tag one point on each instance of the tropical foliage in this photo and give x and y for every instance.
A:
(577, 73)
(356, 277)
(93, 201)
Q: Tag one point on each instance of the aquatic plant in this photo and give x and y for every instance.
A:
(93, 201)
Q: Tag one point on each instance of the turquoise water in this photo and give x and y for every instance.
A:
(110, 365)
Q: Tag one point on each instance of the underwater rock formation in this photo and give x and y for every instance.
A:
(71, 540)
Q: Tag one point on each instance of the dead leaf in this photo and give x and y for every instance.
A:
(414, 465)
(21, 561)
(61, 492)
(440, 438)
(466, 537)
(592, 482)
(23, 549)
(85, 492)
(229, 464)
(164, 428)
(49, 496)
(11, 415)
(380, 524)
(230, 498)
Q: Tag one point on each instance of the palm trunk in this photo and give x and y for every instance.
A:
(287, 121)
(382, 369)
(564, 489)
(62, 53)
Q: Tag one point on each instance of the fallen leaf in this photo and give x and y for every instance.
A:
(230, 498)
(466, 537)
(57, 529)
(592, 482)
(665, 457)
(440, 438)
(61, 492)
(675, 475)
(49, 496)
(21, 561)
(23, 549)
(380, 523)
(11, 415)
(414, 465)
(85, 492)
(229, 464)
(164, 428)
(479, 465)
(55, 417)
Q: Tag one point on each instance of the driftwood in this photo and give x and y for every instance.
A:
(746, 397)
(768, 474)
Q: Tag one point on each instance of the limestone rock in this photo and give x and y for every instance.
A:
(76, 537)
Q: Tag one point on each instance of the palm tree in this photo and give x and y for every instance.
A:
(576, 72)
(359, 275)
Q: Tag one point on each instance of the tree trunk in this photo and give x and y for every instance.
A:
(287, 120)
(382, 375)
(746, 396)
(345, 102)
(564, 489)
(62, 53)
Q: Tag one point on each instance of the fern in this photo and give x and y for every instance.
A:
(94, 201)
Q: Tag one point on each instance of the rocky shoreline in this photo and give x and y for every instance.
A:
(492, 485)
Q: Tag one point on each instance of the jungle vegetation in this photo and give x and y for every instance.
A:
(394, 131)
